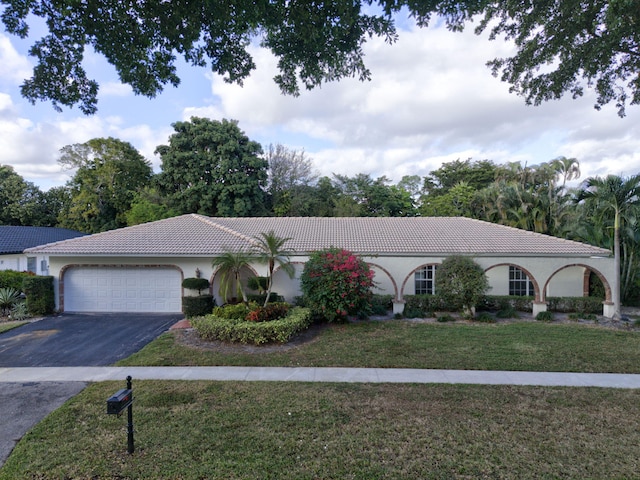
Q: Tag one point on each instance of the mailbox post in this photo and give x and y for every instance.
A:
(117, 403)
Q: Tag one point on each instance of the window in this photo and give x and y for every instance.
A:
(425, 280)
(519, 283)
(31, 264)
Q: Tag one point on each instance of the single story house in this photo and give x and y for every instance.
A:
(15, 240)
(141, 268)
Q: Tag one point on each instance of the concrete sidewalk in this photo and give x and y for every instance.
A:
(303, 374)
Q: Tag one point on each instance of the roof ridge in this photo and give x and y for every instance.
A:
(224, 228)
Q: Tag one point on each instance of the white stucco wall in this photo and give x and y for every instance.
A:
(19, 263)
(393, 274)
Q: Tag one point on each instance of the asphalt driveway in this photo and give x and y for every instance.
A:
(71, 340)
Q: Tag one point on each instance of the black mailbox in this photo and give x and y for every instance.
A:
(119, 401)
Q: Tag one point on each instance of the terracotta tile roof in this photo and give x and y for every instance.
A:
(17, 239)
(193, 235)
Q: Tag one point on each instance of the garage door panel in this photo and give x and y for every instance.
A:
(110, 289)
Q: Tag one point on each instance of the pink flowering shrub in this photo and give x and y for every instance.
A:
(336, 283)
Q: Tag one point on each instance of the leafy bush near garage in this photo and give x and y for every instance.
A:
(13, 279)
(197, 306)
(230, 311)
(236, 330)
(194, 283)
(39, 293)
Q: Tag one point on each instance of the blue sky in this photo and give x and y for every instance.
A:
(431, 100)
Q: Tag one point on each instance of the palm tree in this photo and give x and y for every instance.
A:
(270, 250)
(568, 168)
(230, 265)
(617, 195)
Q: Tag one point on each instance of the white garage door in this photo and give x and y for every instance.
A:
(126, 289)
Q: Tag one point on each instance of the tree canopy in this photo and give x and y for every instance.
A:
(109, 173)
(211, 167)
(562, 46)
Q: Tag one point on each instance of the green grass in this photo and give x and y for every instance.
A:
(402, 344)
(6, 326)
(230, 430)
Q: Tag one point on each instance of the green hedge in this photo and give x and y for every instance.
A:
(256, 333)
(197, 306)
(259, 298)
(575, 304)
(380, 304)
(13, 279)
(421, 306)
(39, 293)
(519, 303)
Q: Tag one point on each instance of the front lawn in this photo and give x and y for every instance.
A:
(231, 430)
(5, 326)
(404, 344)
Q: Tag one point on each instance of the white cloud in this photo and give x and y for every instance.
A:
(15, 67)
(431, 98)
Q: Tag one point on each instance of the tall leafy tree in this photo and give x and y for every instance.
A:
(270, 249)
(211, 167)
(561, 46)
(367, 197)
(108, 175)
(22, 203)
(618, 196)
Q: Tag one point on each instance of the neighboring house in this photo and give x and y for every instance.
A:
(15, 240)
(140, 268)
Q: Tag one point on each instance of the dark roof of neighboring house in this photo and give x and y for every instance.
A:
(17, 239)
(190, 235)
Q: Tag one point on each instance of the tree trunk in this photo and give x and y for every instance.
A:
(616, 261)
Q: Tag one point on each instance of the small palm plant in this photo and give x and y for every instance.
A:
(8, 298)
(270, 250)
(230, 265)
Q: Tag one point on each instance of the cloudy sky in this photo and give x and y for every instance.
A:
(431, 100)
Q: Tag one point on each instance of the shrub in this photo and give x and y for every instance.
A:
(40, 296)
(502, 302)
(19, 311)
(13, 279)
(232, 312)
(260, 298)
(507, 312)
(197, 306)
(421, 306)
(544, 316)
(282, 330)
(485, 317)
(8, 298)
(575, 304)
(272, 311)
(445, 318)
(194, 283)
(336, 283)
(259, 284)
(461, 283)
(380, 304)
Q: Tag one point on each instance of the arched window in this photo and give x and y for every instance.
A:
(425, 280)
(519, 283)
